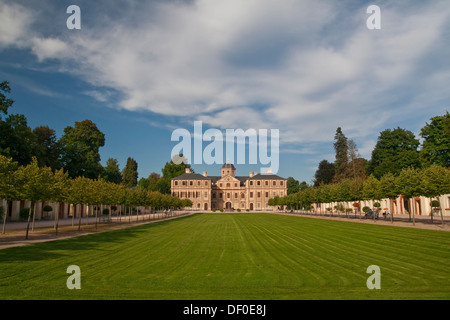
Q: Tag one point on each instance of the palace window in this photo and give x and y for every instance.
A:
(251, 194)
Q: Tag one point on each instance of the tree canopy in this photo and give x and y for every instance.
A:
(80, 149)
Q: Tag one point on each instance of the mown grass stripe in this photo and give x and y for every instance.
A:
(235, 256)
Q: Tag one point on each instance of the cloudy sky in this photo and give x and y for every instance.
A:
(140, 69)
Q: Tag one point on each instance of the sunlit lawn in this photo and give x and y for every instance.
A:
(234, 256)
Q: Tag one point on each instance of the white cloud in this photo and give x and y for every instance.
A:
(305, 67)
(15, 22)
(49, 48)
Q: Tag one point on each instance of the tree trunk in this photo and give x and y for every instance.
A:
(5, 214)
(57, 218)
(431, 210)
(34, 215)
(79, 218)
(73, 214)
(28, 223)
(414, 211)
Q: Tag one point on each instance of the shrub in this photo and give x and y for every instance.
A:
(47, 208)
(366, 209)
(221, 210)
(376, 205)
(106, 211)
(435, 204)
(213, 210)
(238, 210)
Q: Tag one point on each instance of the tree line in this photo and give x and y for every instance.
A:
(36, 184)
(395, 150)
(399, 165)
(431, 182)
(76, 151)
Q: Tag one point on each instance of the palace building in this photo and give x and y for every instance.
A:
(229, 191)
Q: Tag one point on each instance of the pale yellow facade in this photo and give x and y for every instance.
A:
(228, 191)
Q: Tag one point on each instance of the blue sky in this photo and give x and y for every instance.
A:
(140, 69)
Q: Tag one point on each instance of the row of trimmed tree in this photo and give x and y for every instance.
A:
(41, 184)
(430, 182)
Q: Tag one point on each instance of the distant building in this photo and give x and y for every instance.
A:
(229, 191)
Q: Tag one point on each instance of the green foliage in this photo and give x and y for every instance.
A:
(436, 141)
(395, 149)
(366, 209)
(47, 149)
(130, 173)
(409, 181)
(371, 189)
(47, 208)
(341, 149)
(5, 103)
(8, 184)
(325, 173)
(435, 204)
(293, 185)
(435, 181)
(111, 173)
(16, 139)
(80, 150)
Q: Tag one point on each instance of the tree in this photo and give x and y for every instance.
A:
(81, 193)
(395, 149)
(150, 183)
(293, 185)
(80, 150)
(36, 185)
(325, 173)
(5, 102)
(389, 188)
(130, 173)
(410, 186)
(47, 149)
(341, 148)
(60, 191)
(356, 167)
(8, 184)
(170, 170)
(17, 139)
(435, 181)
(436, 141)
(111, 172)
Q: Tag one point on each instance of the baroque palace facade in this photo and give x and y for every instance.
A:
(228, 191)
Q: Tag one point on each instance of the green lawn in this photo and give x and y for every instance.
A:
(234, 256)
